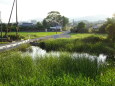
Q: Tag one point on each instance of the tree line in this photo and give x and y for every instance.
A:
(108, 27)
(54, 18)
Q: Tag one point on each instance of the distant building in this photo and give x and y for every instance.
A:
(56, 28)
(97, 26)
(26, 24)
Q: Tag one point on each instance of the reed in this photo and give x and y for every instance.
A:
(18, 70)
(92, 45)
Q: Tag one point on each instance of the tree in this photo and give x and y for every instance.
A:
(39, 25)
(54, 18)
(45, 24)
(4, 26)
(111, 28)
(65, 21)
(81, 25)
(81, 28)
(102, 28)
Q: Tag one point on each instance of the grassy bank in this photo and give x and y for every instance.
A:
(33, 35)
(29, 35)
(93, 45)
(20, 48)
(85, 35)
(18, 70)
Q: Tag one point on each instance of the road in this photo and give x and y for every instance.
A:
(15, 44)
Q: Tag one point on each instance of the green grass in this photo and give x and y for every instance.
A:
(4, 42)
(32, 35)
(22, 48)
(91, 45)
(84, 35)
(28, 35)
(18, 70)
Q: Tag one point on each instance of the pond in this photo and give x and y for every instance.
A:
(35, 51)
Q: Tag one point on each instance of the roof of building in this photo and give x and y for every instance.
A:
(26, 24)
(56, 27)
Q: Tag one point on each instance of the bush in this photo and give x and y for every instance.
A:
(22, 47)
(111, 32)
(102, 28)
(14, 37)
(93, 39)
(92, 45)
(82, 31)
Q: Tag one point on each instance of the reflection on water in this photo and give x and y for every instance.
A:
(100, 58)
(36, 51)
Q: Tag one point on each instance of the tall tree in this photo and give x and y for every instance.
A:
(54, 18)
(65, 21)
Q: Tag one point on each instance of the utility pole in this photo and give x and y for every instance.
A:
(56, 29)
(16, 19)
(73, 23)
(16, 13)
(14, 2)
(1, 24)
(9, 19)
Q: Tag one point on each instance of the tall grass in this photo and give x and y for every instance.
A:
(18, 70)
(92, 45)
(22, 47)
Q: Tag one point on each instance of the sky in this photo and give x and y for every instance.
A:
(38, 9)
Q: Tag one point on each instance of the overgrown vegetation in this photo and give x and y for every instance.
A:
(63, 70)
(22, 47)
(18, 70)
(92, 44)
(111, 28)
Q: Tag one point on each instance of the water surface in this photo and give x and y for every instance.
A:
(35, 51)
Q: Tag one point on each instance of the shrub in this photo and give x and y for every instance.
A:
(111, 32)
(93, 39)
(22, 47)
